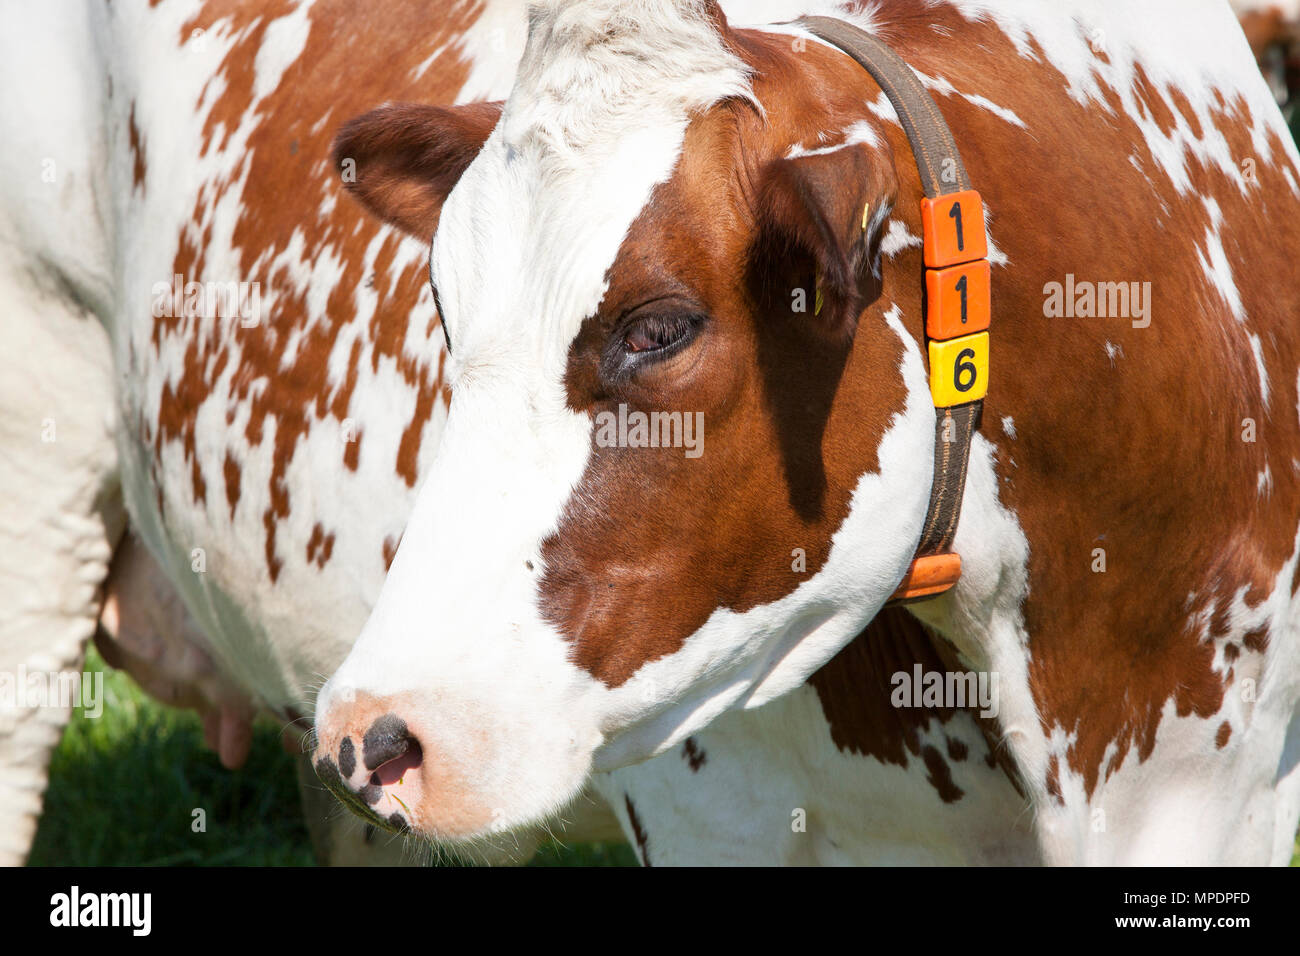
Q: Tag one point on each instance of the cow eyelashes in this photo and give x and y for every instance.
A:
(650, 337)
(442, 318)
(653, 333)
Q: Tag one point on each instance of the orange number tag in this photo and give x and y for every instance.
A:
(957, 300)
(953, 227)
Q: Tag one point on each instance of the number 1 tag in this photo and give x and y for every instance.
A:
(957, 300)
(953, 227)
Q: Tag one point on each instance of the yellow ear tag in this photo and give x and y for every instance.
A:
(866, 212)
(817, 306)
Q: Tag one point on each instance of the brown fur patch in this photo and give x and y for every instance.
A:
(288, 179)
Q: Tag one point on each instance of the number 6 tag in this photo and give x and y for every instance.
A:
(959, 370)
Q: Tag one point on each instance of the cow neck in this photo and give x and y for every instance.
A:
(956, 296)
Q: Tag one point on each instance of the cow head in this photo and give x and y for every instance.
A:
(666, 216)
(1273, 31)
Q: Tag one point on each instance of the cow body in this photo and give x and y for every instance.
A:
(149, 118)
(269, 449)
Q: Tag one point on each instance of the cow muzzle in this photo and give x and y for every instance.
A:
(377, 759)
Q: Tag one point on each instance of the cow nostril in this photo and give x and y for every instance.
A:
(389, 750)
(387, 739)
(392, 771)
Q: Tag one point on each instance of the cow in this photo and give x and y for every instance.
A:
(268, 442)
(642, 228)
(212, 492)
(1272, 28)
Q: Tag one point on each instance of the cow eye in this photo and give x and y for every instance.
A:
(648, 335)
(655, 333)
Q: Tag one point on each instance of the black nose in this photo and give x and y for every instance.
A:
(328, 772)
(387, 739)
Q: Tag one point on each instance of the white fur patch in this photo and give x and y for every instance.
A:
(858, 134)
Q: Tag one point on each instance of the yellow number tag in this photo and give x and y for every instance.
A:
(959, 370)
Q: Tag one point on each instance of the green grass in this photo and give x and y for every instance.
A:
(123, 788)
(585, 854)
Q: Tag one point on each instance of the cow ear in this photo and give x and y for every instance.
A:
(817, 237)
(400, 161)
